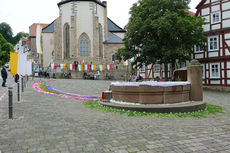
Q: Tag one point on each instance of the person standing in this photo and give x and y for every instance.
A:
(4, 75)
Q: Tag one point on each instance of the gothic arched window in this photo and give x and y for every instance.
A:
(67, 41)
(84, 45)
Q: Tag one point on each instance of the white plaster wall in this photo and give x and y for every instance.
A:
(205, 11)
(228, 73)
(225, 6)
(206, 27)
(223, 81)
(228, 65)
(221, 45)
(214, 0)
(215, 81)
(47, 48)
(227, 52)
(226, 23)
(222, 73)
(207, 18)
(222, 64)
(207, 74)
(227, 36)
(198, 56)
(228, 42)
(207, 2)
(121, 35)
(215, 8)
(228, 81)
(85, 21)
(213, 54)
(216, 26)
(226, 14)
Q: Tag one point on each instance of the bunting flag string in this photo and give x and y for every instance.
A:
(72, 67)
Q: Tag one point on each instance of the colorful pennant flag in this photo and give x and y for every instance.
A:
(72, 67)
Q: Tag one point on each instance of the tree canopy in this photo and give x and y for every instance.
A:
(5, 48)
(161, 31)
(6, 31)
(19, 36)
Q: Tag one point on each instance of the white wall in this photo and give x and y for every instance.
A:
(205, 11)
(225, 6)
(47, 48)
(226, 23)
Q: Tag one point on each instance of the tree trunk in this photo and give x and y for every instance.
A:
(166, 71)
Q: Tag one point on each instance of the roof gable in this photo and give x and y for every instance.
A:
(49, 28)
(113, 39)
(113, 27)
(200, 4)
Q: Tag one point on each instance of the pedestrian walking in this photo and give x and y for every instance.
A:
(4, 75)
(48, 73)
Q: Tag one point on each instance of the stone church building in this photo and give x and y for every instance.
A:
(81, 33)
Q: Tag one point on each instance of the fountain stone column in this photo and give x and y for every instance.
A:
(194, 73)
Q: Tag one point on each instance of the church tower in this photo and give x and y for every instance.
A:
(82, 33)
(82, 27)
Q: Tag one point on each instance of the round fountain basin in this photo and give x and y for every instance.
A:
(151, 92)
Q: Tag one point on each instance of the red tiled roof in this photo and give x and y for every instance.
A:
(33, 28)
(190, 13)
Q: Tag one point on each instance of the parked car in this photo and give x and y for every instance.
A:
(7, 65)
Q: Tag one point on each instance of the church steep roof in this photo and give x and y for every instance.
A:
(49, 28)
(113, 27)
(113, 39)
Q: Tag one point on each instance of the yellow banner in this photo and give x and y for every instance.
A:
(13, 63)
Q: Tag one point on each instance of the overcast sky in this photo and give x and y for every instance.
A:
(20, 14)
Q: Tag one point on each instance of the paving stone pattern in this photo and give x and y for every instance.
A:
(44, 123)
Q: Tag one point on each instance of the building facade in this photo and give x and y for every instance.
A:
(216, 60)
(81, 33)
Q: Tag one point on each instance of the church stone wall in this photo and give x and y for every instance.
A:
(111, 49)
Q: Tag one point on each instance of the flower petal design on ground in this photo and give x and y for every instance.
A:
(45, 88)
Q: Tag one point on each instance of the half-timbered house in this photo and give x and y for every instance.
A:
(216, 60)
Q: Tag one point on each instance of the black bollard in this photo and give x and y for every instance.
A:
(22, 83)
(18, 91)
(10, 89)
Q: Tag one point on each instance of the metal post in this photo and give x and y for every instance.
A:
(10, 89)
(22, 83)
(18, 91)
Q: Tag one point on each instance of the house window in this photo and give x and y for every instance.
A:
(142, 69)
(213, 43)
(157, 68)
(197, 49)
(215, 17)
(215, 70)
(84, 46)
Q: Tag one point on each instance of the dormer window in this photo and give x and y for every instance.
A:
(215, 17)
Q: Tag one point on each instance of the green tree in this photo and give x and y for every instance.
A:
(19, 36)
(5, 48)
(161, 31)
(6, 31)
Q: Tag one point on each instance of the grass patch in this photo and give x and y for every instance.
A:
(211, 110)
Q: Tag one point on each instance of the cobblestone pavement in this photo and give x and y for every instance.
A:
(44, 123)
